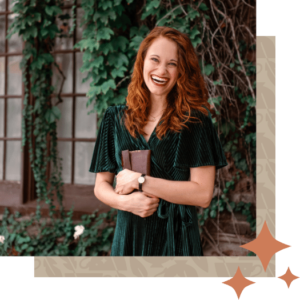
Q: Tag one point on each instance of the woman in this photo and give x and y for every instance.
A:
(167, 112)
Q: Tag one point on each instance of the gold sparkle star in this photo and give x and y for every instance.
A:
(238, 282)
(288, 277)
(265, 246)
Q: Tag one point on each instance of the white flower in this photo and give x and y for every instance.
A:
(2, 238)
(78, 231)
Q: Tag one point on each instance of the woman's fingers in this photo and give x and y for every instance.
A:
(149, 195)
(151, 212)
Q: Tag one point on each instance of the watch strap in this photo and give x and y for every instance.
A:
(140, 184)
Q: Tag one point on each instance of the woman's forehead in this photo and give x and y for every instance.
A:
(163, 47)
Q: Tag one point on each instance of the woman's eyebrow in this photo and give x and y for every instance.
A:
(158, 56)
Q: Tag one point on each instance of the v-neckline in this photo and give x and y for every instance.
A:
(147, 142)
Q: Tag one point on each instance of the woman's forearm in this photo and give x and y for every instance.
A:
(106, 194)
(179, 192)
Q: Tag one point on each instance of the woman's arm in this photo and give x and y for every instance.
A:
(196, 192)
(104, 191)
(141, 204)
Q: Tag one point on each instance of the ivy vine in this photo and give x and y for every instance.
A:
(35, 22)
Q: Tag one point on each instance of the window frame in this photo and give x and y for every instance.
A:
(22, 197)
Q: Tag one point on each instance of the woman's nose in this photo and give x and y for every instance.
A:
(162, 69)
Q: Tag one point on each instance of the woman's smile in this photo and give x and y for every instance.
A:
(159, 81)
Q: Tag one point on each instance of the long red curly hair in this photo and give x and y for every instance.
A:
(188, 93)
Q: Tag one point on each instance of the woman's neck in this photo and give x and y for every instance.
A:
(158, 105)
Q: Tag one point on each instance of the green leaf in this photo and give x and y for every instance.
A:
(52, 114)
(104, 34)
(192, 13)
(135, 42)
(30, 32)
(117, 59)
(53, 10)
(203, 7)
(197, 41)
(208, 69)
(119, 43)
(215, 100)
(194, 32)
(120, 99)
(96, 63)
(24, 246)
(118, 72)
(110, 84)
(218, 82)
(94, 90)
(106, 233)
(106, 4)
(213, 214)
(153, 3)
(106, 47)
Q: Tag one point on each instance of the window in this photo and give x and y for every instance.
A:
(11, 93)
(76, 130)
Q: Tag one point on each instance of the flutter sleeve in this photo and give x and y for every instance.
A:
(103, 159)
(199, 145)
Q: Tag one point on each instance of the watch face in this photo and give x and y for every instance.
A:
(141, 180)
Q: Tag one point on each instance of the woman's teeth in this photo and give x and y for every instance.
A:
(158, 80)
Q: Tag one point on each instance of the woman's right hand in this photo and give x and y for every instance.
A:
(141, 203)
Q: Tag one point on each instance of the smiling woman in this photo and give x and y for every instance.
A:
(166, 112)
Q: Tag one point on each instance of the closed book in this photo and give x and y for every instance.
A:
(137, 161)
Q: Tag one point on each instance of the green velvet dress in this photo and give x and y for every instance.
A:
(173, 229)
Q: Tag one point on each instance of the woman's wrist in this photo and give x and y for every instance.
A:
(122, 202)
(135, 183)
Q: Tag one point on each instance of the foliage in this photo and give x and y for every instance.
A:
(35, 22)
(113, 30)
(56, 238)
(221, 204)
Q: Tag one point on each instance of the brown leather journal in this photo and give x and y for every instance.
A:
(137, 161)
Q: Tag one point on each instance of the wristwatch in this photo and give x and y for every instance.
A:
(141, 180)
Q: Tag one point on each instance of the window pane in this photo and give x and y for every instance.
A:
(81, 87)
(1, 160)
(83, 156)
(1, 118)
(2, 77)
(14, 76)
(64, 24)
(11, 3)
(13, 160)
(2, 5)
(79, 29)
(14, 117)
(64, 124)
(2, 33)
(64, 151)
(15, 42)
(64, 62)
(85, 125)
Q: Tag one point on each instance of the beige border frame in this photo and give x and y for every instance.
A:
(200, 266)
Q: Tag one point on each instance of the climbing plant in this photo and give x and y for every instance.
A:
(34, 21)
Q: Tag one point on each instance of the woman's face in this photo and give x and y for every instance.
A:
(161, 66)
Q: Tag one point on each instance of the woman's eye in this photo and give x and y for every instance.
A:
(157, 60)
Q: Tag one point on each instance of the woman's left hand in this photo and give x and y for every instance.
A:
(126, 181)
